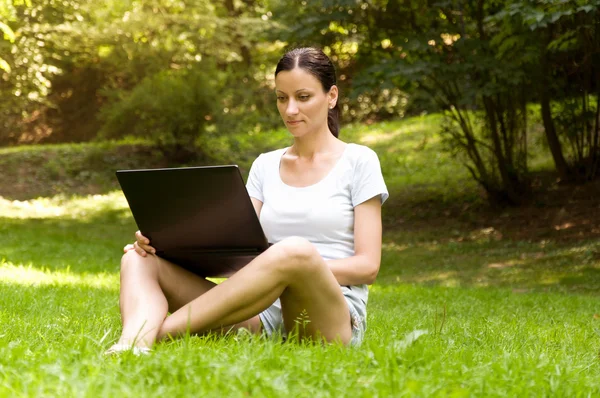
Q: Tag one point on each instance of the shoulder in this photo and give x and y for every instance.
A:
(270, 157)
(361, 154)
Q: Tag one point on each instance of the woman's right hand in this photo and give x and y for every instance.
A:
(141, 245)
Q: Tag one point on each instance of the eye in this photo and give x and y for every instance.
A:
(280, 98)
(304, 97)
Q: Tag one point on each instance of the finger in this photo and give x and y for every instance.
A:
(139, 250)
(128, 248)
(141, 238)
(147, 248)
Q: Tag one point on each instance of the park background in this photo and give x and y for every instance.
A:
(485, 116)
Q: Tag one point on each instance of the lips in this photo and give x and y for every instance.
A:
(293, 122)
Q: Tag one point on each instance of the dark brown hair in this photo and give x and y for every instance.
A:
(315, 62)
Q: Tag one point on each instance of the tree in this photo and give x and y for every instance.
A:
(24, 83)
(568, 52)
(481, 62)
(448, 52)
(170, 108)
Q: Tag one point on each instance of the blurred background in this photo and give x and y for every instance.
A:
(509, 79)
(485, 117)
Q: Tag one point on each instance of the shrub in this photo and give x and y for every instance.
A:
(171, 108)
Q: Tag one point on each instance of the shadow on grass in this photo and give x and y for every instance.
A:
(30, 172)
(568, 267)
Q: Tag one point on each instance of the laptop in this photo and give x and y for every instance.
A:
(200, 218)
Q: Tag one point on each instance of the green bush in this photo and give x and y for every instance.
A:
(171, 108)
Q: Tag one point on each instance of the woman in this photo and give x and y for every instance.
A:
(319, 202)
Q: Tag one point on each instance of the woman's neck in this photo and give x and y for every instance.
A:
(311, 144)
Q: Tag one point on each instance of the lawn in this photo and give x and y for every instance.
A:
(461, 308)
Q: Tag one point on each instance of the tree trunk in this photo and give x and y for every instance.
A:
(235, 13)
(595, 149)
(510, 189)
(553, 142)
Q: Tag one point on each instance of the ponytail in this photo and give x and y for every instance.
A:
(333, 120)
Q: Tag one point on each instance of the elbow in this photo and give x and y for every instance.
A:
(371, 276)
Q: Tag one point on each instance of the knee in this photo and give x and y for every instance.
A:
(297, 249)
(128, 258)
(297, 253)
(131, 259)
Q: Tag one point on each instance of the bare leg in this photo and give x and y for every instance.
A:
(151, 286)
(291, 269)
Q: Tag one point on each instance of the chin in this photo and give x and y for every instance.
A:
(297, 132)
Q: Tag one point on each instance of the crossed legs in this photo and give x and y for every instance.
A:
(292, 270)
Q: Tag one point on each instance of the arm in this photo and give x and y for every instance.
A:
(364, 265)
(257, 205)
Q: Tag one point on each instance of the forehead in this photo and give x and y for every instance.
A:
(296, 79)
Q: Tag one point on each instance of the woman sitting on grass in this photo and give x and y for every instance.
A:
(319, 203)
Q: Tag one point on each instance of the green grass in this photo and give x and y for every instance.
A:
(494, 317)
(49, 170)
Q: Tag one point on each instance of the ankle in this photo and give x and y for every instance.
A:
(117, 349)
(134, 342)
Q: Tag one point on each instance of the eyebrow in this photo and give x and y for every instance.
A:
(302, 89)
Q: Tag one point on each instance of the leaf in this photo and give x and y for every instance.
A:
(586, 8)
(539, 16)
(508, 45)
(409, 339)
(565, 42)
(556, 16)
(8, 32)
(4, 65)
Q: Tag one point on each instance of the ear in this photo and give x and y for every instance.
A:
(332, 96)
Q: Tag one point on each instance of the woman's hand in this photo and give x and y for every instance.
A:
(141, 245)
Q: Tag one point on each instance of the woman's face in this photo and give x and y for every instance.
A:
(301, 102)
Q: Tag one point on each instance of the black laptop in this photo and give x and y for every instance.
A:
(200, 218)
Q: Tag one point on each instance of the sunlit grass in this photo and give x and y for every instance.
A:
(77, 233)
(74, 207)
(31, 276)
(72, 147)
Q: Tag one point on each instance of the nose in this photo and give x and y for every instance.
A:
(292, 108)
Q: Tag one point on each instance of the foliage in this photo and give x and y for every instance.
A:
(73, 63)
(565, 37)
(479, 55)
(24, 83)
(349, 32)
(87, 52)
(577, 122)
(171, 109)
(455, 62)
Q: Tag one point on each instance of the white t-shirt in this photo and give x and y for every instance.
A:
(322, 213)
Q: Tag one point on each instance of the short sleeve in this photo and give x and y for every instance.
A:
(367, 181)
(254, 185)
